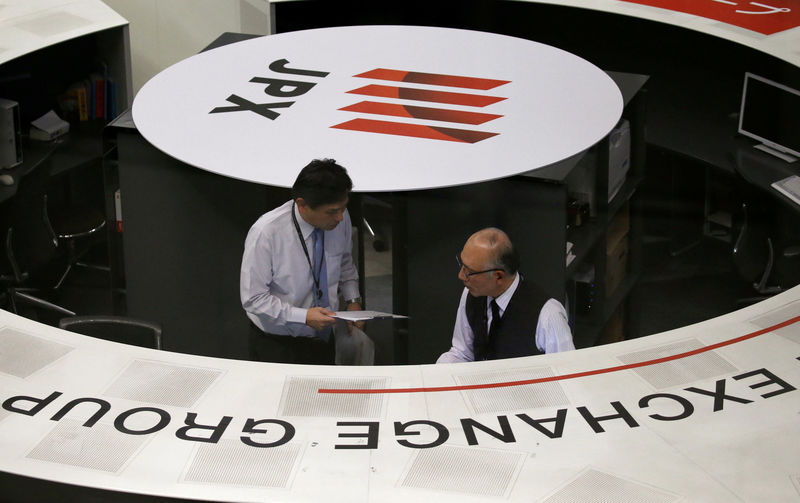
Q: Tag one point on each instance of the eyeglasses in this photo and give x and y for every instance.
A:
(468, 272)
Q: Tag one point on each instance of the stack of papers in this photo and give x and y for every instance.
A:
(48, 127)
(364, 315)
(570, 255)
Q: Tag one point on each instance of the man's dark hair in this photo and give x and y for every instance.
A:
(509, 259)
(322, 181)
(506, 257)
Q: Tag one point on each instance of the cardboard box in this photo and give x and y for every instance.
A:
(619, 157)
(616, 265)
(614, 330)
(618, 228)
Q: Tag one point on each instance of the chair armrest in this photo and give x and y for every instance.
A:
(791, 251)
(19, 276)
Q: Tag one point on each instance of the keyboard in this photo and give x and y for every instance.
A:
(789, 187)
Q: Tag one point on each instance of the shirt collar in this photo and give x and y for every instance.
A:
(505, 297)
(305, 228)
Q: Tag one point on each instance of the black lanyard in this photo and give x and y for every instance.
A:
(314, 275)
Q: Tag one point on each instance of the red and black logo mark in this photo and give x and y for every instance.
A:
(419, 111)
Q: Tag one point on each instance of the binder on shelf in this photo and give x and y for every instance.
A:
(111, 100)
(83, 102)
(98, 84)
(104, 90)
(91, 98)
(100, 98)
(74, 102)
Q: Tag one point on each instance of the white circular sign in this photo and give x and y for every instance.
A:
(401, 107)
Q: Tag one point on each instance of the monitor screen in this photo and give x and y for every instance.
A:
(770, 113)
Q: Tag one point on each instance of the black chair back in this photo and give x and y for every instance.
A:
(122, 329)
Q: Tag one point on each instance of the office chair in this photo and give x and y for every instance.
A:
(74, 225)
(122, 329)
(757, 253)
(29, 242)
(375, 210)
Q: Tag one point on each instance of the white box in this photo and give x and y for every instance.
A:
(619, 156)
(10, 134)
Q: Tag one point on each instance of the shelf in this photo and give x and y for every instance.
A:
(556, 172)
(83, 144)
(583, 239)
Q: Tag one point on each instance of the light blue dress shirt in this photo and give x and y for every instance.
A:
(276, 285)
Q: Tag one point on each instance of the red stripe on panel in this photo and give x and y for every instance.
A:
(415, 130)
(407, 93)
(435, 79)
(427, 113)
(576, 375)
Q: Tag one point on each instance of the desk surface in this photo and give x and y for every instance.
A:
(467, 111)
(705, 413)
(762, 170)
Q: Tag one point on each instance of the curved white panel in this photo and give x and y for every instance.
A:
(704, 413)
(771, 26)
(401, 107)
(29, 25)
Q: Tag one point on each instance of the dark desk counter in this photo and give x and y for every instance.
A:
(75, 149)
(34, 154)
(762, 170)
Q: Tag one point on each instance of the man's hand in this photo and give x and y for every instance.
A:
(319, 318)
(354, 306)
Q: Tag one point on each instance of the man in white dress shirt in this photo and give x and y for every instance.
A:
(501, 315)
(297, 260)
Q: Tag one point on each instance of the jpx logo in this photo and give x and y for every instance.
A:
(278, 88)
(428, 88)
(433, 94)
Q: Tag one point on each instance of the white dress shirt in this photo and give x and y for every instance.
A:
(552, 329)
(276, 284)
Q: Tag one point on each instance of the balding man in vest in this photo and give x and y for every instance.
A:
(501, 314)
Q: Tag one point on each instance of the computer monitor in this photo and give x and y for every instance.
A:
(770, 113)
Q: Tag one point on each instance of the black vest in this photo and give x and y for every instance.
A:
(517, 331)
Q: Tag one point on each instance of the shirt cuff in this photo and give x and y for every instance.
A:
(350, 290)
(297, 315)
(450, 357)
